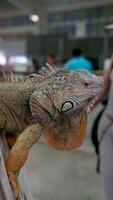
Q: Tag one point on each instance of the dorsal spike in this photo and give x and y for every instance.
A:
(4, 77)
(44, 73)
(50, 67)
(12, 77)
(8, 76)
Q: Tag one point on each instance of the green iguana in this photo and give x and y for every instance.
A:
(54, 104)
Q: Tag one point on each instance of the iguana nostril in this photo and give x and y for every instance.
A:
(87, 83)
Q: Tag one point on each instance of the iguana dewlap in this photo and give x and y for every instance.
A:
(69, 138)
(54, 104)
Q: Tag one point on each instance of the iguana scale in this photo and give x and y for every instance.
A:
(54, 104)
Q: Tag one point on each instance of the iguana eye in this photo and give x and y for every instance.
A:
(66, 106)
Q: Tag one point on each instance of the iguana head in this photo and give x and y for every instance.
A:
(72, 93)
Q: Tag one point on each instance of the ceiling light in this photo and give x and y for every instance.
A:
(34, 17)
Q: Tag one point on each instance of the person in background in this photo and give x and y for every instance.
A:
(34, 68)
(103, 98)
(105, 131)
(78, 62)
(51, 59)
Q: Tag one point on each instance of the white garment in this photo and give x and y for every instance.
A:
(5, 188)
(106, 160)
(106, 146)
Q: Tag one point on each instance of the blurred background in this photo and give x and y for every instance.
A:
(33, 30)
(37, 28)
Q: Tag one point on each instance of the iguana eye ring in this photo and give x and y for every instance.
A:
(66, 106)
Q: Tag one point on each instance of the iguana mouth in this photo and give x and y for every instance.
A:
(91, 102)
(91, 105)
(86, 105)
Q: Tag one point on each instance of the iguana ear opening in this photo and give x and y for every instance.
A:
(70, 138)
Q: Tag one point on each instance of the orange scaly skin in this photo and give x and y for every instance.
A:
(53, 103)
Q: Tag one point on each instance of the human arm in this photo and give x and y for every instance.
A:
(107, 77)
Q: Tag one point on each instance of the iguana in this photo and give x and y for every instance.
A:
(54, 104)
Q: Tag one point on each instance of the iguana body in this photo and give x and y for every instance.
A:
(54, 105)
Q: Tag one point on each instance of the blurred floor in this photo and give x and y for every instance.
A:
(65, 175)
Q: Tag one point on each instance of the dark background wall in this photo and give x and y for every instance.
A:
(61, 45)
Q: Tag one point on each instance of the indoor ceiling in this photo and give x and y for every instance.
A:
(6, 7)
(34, 6)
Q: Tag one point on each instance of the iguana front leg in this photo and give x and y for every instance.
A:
(18, 154)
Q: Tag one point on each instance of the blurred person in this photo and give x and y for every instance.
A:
(105, 130)
(34, 67)
(51, 59)
(108, 66)
(78, 62)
